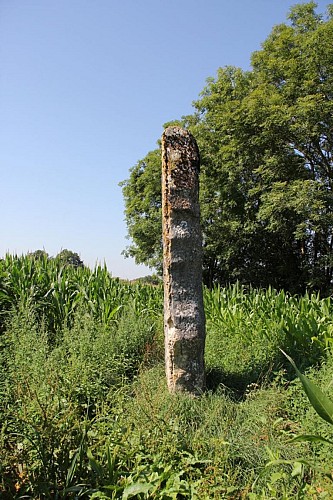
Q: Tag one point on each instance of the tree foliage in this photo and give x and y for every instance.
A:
(69, 258)
(143, 199)
(266, 139)
(38, 255)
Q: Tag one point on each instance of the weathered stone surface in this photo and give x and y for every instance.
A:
(184, 318)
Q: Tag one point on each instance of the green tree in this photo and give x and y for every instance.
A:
(39, 255)
(266, 140)
(237, 243)
(143, 202)
(69, 258)
(293, 100)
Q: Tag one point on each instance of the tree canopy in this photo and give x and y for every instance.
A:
(68, 258)
(266, 139)
(65, 257)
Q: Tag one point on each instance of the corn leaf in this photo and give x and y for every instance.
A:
(320, 402)
(310, 438)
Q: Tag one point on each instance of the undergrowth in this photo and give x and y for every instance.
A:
(85, 413)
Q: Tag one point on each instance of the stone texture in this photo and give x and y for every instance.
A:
(184, 318)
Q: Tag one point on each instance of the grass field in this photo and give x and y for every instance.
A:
(84, 409)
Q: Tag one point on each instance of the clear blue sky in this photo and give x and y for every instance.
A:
(85, 87)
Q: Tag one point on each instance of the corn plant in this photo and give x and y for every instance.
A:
(302, 325)
(323, 406)
(57, 291)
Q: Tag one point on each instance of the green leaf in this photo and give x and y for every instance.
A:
(273, 463)
(310, 438)
(96, 467)
(297, 469)
(72, 468)
(276, 476)
(320, 402)
(134, 489)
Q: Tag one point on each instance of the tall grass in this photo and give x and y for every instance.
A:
(52, 395)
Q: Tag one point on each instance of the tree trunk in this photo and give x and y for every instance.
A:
(184, 318)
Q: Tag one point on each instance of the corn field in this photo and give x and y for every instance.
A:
(57, 291)
(302, 324)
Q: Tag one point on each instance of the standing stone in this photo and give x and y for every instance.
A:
(184, 317)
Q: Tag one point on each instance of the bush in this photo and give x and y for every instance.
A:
(52, 394)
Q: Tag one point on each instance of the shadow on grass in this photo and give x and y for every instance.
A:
(234, 385)
(237, 384)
